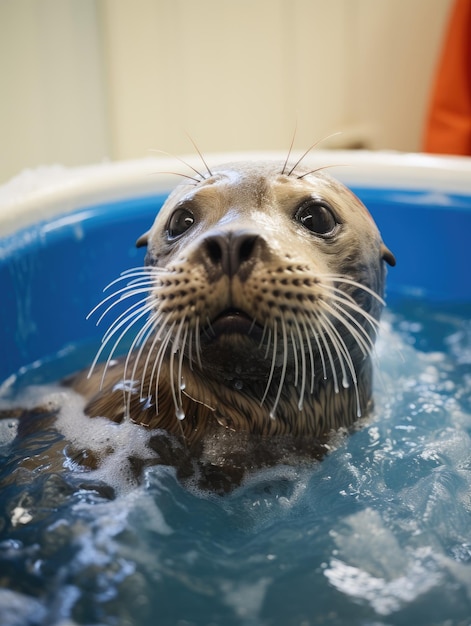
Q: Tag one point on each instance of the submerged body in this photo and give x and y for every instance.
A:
(261, 296)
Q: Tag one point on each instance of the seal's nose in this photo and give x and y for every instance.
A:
(231, 252)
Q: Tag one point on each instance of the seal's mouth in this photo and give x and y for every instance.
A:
(234, 322)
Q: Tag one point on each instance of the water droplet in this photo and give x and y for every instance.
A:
(128, 385)
(238, 384)
(146, 402)
(180, 413)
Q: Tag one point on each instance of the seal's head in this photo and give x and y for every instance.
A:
(264, 292)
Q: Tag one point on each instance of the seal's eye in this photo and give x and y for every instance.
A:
(317, 217)
(179, 223)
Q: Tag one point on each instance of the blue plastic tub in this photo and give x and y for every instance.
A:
(377, 533)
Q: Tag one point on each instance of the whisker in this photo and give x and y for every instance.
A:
(150, 280)
(129, 323)
(181, 382)
(316, 143)
(144, 269)
(366, 346)
(122, 319)
(143, 279)
(158, 337)
(311, 354)
(200, 155)
(115, 346)
(117, 295)
(178, 158)
(150, 352)
(340, 302)
(141, 338)
(303, 367)
(273, 361)
(349, 281)
(316, 333)
(339, 346)
(187, 176)
(137, 269)
(156, 369)
(210, 328)
(342, 351)
(190, 349)
(283, 367)
(198, 343)
(149, 325)
(262, 339)
(137, 361)
(267, 349)
(175, 347)
(144, 272)
(333, 369)
(321, 168)
(285, 164)
(295, 357)
(141, 270)
(121, 299)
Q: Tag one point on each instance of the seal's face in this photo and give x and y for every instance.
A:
(264, 298)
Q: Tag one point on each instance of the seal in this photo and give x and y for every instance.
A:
(255, 313)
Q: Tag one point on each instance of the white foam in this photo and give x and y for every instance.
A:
(384, 596)
(112, 443)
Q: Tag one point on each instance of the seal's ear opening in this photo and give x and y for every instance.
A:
(143, 240)
(388, 256)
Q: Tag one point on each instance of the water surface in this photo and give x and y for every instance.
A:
(378, 533)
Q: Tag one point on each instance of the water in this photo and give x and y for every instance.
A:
(378, 533)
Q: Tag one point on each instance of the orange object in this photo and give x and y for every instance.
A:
(448, 127)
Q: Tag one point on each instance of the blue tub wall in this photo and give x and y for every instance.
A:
(53, 273)
(430, 235)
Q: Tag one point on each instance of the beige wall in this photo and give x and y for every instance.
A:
(87, 79)
(51, 84)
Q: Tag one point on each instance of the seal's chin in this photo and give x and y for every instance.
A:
(235, 322)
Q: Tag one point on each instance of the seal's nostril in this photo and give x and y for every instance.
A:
(214, 248)
(229, 251)
(246, 248)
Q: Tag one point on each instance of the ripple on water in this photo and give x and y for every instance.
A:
(379, 532)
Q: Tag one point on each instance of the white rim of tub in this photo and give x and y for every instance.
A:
(37, 195)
